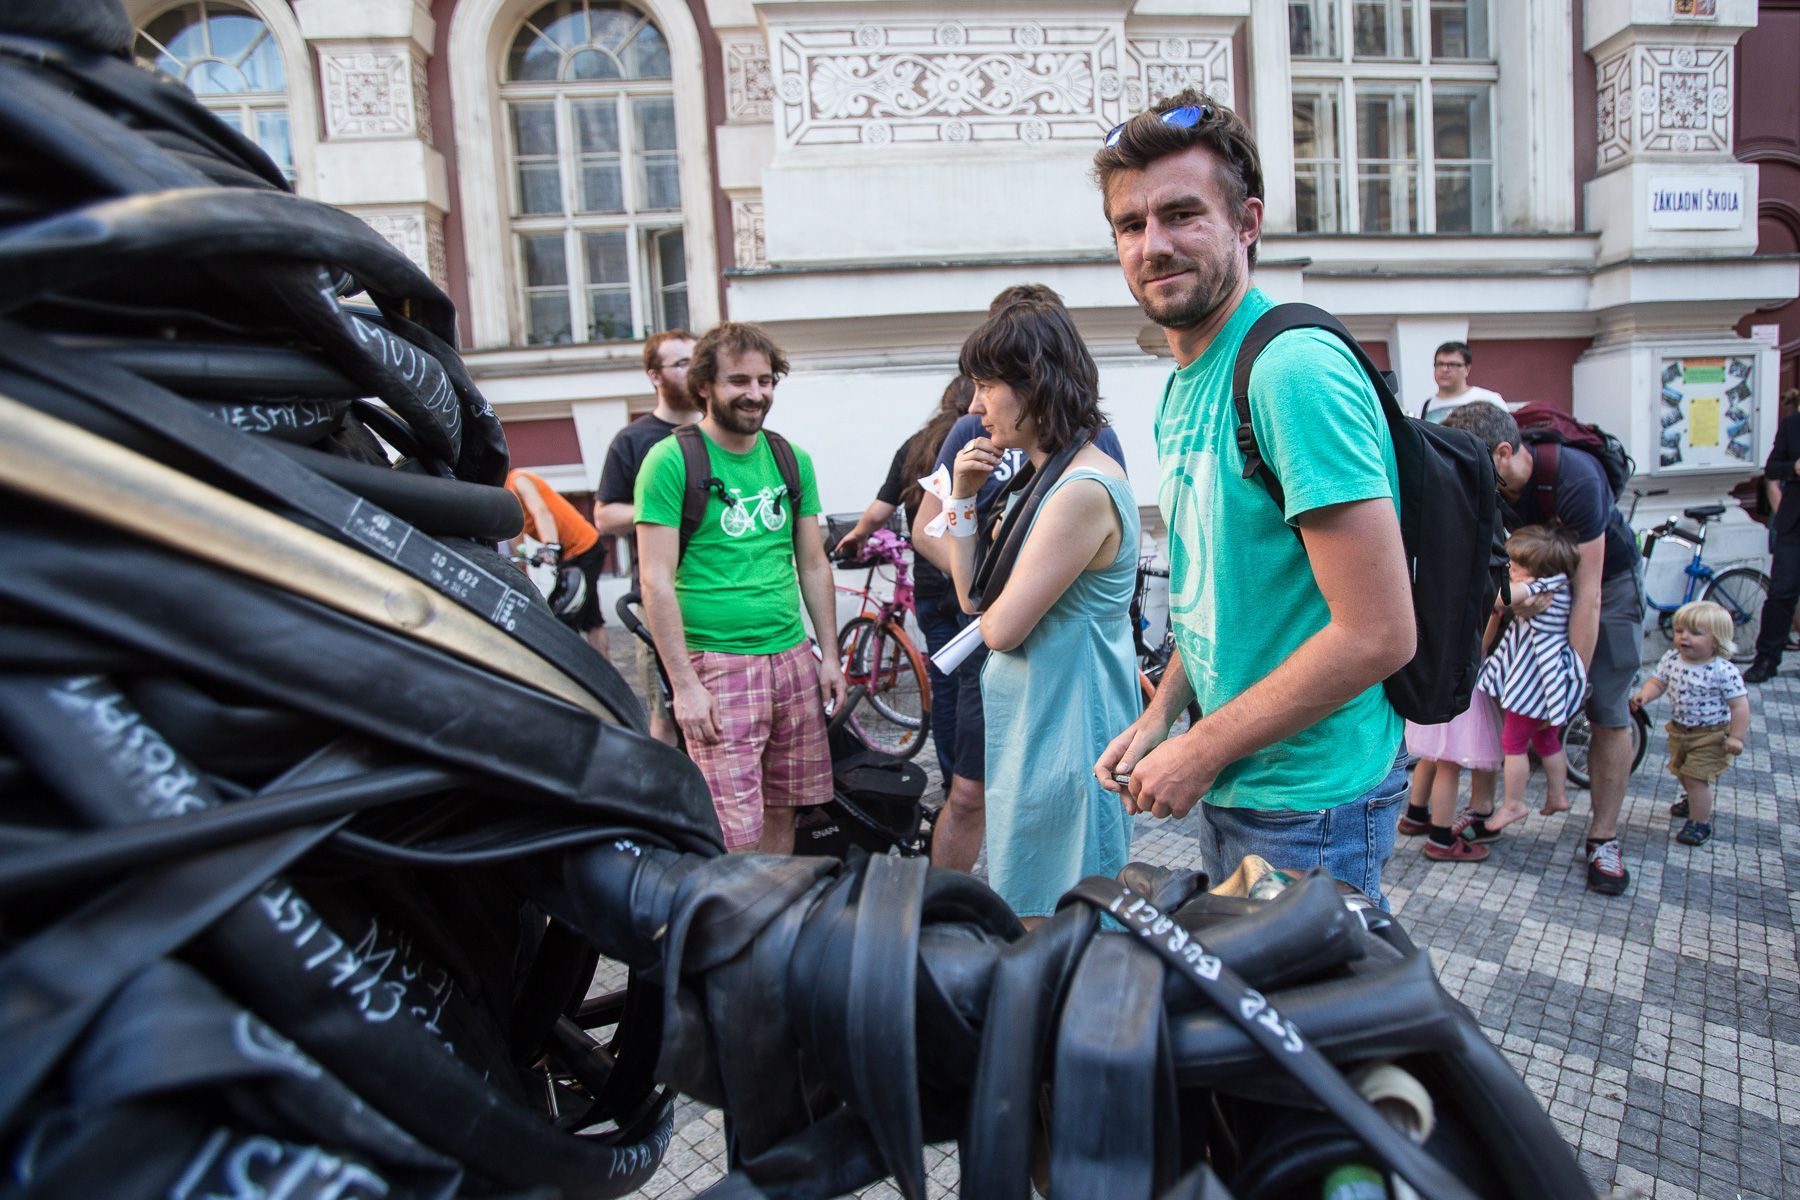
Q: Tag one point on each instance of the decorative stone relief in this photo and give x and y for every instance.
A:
(1614, 109)
(421, 100)
(747, 233)
(437, 264)
(1162, 65)
(370, 93)
(749, 81)
(407, 230)
(934, 82)
(1683, 99)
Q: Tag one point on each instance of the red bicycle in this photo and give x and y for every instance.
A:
(890, 692)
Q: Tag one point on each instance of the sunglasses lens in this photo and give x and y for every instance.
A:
(1185, 117)
(1112, 139)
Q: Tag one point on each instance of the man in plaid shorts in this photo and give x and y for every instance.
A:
(725, 613)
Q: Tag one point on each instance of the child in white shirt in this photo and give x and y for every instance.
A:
(1711, 712)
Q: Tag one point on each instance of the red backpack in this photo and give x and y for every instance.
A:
(1541, 425)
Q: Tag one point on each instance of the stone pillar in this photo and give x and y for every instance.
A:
(377, 159)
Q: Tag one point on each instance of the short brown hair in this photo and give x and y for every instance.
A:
(734, 338)
(654, 343)
(1544, 550)
(1032, 346)
(1022, 291)
(1146, 138)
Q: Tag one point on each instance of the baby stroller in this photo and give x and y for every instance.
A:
(875, 804)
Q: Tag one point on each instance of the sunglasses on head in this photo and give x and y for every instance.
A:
(1185, 117)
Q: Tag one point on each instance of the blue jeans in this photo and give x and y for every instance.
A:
(1353, 841)
(940, 618)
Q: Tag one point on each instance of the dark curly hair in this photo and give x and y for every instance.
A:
(1033, 347)
(733, 338)
(1146, 138)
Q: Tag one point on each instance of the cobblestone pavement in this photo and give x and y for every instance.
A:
(1660, 1029)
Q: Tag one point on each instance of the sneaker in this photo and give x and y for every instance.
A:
(1472, 827)
(1761, 671)
(1679, 808)
(1457, 851)
(1412, 828)
(1694, 833)
(1606, 871)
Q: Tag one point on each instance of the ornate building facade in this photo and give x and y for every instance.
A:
(1602, 198)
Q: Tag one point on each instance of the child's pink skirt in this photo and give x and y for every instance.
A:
(1471, 740)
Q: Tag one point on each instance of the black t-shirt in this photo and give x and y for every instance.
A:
(1584, 506)
(618, 477)
(926, 578)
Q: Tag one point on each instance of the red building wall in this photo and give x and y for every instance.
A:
(1525, 370)
(1768, 134)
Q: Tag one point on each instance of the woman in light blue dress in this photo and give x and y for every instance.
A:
(1063, 673)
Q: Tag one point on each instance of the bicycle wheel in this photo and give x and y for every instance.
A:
(1577, 737)
(1741, 592)
(895, 715)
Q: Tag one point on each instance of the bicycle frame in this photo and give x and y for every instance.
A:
(1697, 572)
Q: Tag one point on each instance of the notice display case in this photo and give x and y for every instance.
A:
(1706, 413)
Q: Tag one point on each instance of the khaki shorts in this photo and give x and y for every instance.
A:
(1697, 751)
(649, 684)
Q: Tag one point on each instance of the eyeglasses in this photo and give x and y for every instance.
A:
(1185, 117)
(1441, 365)
(680, 364)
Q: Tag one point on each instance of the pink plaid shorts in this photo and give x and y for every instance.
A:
(773, 752)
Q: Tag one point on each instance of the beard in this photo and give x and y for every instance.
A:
(1212, 286)
(737, 417)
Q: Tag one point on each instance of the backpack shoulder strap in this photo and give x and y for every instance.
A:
(789, 466)
(1277, 321)
(698, 469)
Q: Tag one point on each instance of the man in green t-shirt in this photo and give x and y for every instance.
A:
(1283, 640)
(749, 695)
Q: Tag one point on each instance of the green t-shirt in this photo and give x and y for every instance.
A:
(1241, 592)
(737, 583)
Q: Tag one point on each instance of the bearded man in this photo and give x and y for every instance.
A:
(1284, 640)
(749, 697)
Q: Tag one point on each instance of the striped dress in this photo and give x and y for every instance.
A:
(1534, 671)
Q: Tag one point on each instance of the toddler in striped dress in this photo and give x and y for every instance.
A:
(1534, 673)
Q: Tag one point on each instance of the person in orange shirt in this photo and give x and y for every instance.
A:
(554, 521)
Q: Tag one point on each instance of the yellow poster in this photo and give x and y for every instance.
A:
(1703, 421)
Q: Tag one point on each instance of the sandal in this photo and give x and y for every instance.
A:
(1694, 833)
(1679, 808)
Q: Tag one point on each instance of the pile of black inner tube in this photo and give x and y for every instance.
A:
(316, 823)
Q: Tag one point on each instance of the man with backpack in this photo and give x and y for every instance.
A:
(1284, 640)
(728, 545)
(1558, 471)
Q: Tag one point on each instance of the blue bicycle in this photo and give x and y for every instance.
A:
(1740, 591)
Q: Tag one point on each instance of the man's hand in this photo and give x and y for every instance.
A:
(1526, 607)
(697, 713)
(832, 691)
(1172, 778)
(1124, 752)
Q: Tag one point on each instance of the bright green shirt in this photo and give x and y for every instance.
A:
(1241, 592)
(737, 583)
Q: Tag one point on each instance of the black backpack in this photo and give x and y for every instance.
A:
(701, 482)
(1449, 521)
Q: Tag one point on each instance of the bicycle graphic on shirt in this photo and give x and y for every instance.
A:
(741, 512)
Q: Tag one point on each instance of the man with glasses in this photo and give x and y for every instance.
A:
(1284, 640)
(1450, 367)
(666, 356)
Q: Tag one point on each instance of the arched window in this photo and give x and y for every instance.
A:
(227, 57)
(595, 181)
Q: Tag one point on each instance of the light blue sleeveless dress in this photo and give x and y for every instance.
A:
(1052, 705)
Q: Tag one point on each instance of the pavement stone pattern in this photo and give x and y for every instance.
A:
(1660, 1029)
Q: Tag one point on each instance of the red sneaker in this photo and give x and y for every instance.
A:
(1457, 851)
(1412, 828)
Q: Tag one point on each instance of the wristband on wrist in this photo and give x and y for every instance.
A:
(961, 514)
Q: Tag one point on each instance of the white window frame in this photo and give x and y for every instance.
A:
(1345, 73)
(300, 100)
(641, 227)
(481, 33)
